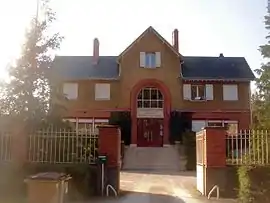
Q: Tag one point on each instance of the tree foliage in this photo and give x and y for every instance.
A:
(27, 95)
(261, 99)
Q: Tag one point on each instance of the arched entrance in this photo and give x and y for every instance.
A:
(150, 110)
(150, 117)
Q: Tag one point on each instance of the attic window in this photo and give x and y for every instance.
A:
(150, 59)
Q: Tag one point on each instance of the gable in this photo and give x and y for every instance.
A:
(147, 31)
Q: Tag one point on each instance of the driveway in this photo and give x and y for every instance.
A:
(158, 187)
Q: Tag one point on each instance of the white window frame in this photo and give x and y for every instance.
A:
(151, 100)
(222, 122)
(152, 60)
(70, 90)
(99, 87)
(148, 62)
(197, 98)
(230, 92)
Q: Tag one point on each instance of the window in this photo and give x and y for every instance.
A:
(197, 92)
(198, 125)
(102, 91)
(150, 59)
(231, 126)
(150, 98)
(215, 124)
(70, 90)
(230, 92)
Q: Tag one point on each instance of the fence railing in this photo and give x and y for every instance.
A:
(5, 146)
(63, 146)
(249, 147)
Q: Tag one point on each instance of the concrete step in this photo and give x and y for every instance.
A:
(153, 158)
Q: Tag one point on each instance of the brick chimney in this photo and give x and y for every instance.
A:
(175, 41)
(95, 51)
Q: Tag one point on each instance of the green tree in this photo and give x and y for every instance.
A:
(261, 99)
(27, 95)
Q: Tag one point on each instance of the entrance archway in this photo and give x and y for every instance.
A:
(150, 111)
(150, 117)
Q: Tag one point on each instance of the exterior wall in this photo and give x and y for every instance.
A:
(168, 73)
(218, 104)
(243, 118)
(86, 105)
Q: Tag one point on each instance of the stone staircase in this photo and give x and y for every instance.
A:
(169, 158)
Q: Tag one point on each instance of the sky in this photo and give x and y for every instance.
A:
(206, 27)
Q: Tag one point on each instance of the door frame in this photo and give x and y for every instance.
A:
(166, 108)
(157, 139)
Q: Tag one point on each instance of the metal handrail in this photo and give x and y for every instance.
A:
(212, 190)
(112, 188)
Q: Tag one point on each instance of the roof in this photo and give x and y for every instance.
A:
(193, 68)
(150, 29)
(233, 68)
(82, 67)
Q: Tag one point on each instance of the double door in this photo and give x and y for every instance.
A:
(150, 132)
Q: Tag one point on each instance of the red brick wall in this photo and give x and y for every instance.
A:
(109, 143)
(215, 147)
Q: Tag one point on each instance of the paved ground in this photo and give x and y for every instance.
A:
(147, 187)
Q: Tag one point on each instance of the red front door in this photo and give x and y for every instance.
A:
(150, 132)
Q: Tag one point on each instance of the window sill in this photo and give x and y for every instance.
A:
(191, 100)
(102, 99)
(150, 68)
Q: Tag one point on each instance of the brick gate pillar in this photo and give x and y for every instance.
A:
(109, 143)
(214, 158)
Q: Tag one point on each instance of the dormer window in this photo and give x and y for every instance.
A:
(150, 59)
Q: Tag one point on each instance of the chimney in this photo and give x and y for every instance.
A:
(95, 51)
(221, 55)
(175, 41)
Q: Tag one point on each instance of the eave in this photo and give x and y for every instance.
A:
(218, 79)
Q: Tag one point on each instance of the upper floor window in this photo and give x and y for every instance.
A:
(150, 59)
(230, 92)
(70, 90)
(102, 91)
(198, 92)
